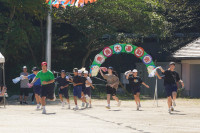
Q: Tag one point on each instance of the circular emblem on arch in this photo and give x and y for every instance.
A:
(128, 48)
(107, 51)
(117, 48)
(147, 59)
(139, 52)
(99, 58)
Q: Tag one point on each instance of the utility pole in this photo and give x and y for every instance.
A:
(49, 35)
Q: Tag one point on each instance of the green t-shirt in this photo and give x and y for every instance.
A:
(47, 76)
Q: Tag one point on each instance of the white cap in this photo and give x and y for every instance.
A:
(134, 71)
(85, 72)
(79, 71)
(24, 67)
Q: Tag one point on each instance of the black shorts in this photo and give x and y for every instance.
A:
(48, 91)
(135, 91)
(24, 91)
(169, 88)
(64, 92)
(83, 88)
(87, 91)
(37, 89)
(111, 91)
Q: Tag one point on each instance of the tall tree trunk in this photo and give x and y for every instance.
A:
(42, 40)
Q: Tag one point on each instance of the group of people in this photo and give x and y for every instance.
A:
(43, 84)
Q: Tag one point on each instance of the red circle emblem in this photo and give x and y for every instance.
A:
(107, 51)
(139, 52)
(128, 48)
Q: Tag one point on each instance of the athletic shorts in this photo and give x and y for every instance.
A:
(111, 91)
(87, 91)
(83, 88)
(48, 91)
(135, 91)
(77, 91)
(37, 89)
(170, 88)
(64, 92)
(24, 91)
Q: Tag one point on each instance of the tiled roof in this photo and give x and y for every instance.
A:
(191, 50)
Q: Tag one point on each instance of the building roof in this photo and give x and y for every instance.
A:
(190, 51)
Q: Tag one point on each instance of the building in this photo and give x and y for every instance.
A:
(190, 61)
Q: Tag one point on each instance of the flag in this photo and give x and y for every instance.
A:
(152, 74)
(76, 4)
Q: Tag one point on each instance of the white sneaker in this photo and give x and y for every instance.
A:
(90, 106)
(169, 110)
(172, 108)
(38, 107)
(119, 103)
(83, 104)
(68, 106)
(44, 111)
(137, 107)
(108, 107)
(76, 108)
(174, 104)
(87, 104)
(63, 104)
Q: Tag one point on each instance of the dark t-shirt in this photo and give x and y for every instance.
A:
(77, 79)
(135, 82)
(171, 77)
(62, 81)
(83, 81)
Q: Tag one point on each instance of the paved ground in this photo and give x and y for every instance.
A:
(25, 119)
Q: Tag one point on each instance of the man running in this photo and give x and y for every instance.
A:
(36, 86)
(111, 86)
(135, 81)
(24, 86)
(47, 81)
(63, 90)
(83, 79)
(77, 83)
(171, 78)
(87, 91)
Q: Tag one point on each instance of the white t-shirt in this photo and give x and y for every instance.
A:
(88, 79)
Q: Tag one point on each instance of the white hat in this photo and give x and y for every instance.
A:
(79, 71)
(134, 71)
(85, 72)
(24, 67)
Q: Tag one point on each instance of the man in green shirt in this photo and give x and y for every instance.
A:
(47, 80)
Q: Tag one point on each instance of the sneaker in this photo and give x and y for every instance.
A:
(68, 106)
(38, 107)
(174, 104)
(172, 108)
(83, 104)
(63, 104)
(87, 104)
(169, 110)
(75, 108)
(119, 103)
(21, 102)
(137, 107)
(25, 103)
(90, 106)
(108, 107)
(44, 111)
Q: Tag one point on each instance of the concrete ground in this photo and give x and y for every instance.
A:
(125, 119)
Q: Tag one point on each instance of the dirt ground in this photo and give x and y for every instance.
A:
(125, 119)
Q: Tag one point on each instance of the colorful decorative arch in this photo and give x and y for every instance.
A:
(121, 48)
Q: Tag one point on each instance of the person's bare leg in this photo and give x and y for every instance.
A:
(37, 97)
(75, 100)
(169, 101)
(20, 98)
(115, 98)
(25, 97)
(138, 98)
(135, 97)
(43, 101)
(61, 98)
(108, 99)
(174, 94)
(68, 101)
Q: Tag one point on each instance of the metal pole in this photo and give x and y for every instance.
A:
(4, 80)
(49, 34)
(156, 92)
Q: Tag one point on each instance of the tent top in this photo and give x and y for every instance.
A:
(2, 59)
